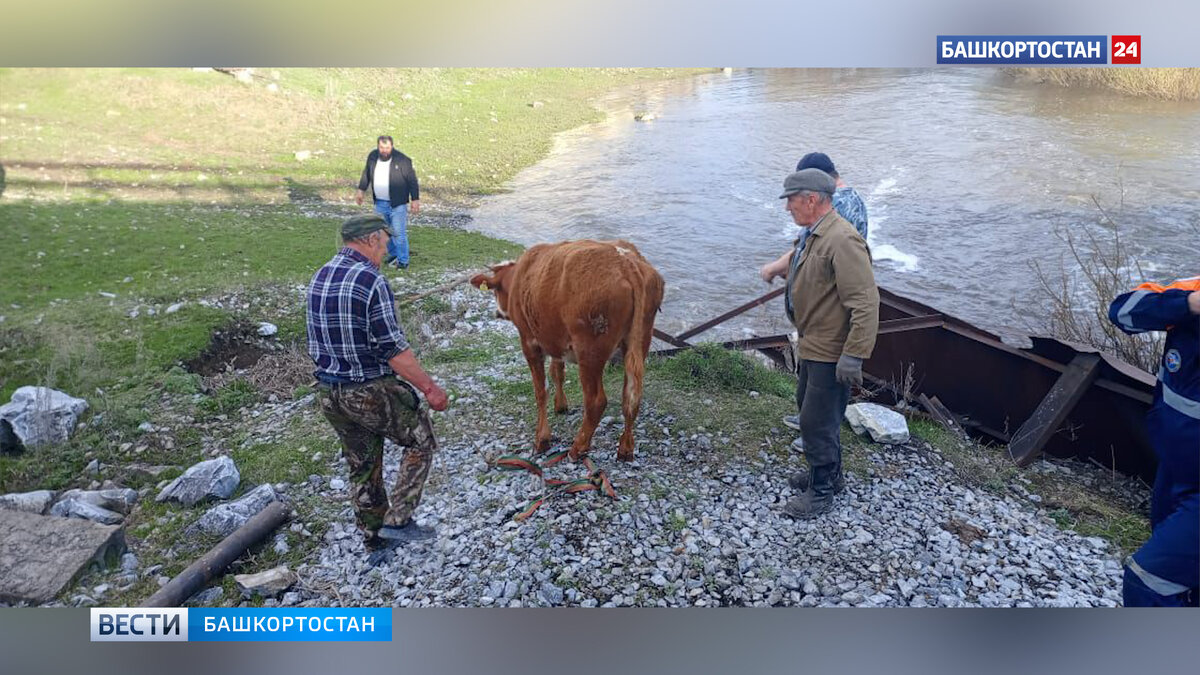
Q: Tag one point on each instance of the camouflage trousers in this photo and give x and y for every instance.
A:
(363, 415)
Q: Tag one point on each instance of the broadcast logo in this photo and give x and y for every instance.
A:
(1038, 49)
(203, 624)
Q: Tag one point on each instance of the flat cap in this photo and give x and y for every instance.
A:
(813, 180)
(364, 224)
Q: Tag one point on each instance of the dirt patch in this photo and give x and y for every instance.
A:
(281, 373)
(234, 347)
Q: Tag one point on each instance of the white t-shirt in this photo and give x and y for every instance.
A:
(382, 182)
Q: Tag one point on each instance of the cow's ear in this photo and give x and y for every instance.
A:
(483, 281)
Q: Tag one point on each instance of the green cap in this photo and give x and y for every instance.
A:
(363, 225)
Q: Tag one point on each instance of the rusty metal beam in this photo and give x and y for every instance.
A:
(670, 339)
(759, 343)
(1029, 441)
(911, 323)
(696, 330)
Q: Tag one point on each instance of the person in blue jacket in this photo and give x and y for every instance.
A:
(1164, 572)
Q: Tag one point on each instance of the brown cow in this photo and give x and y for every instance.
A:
(579, 301)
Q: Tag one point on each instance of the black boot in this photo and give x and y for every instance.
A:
(802, 480)
(817, 499)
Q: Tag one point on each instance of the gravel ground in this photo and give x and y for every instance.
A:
(697, 523)
(693, 527)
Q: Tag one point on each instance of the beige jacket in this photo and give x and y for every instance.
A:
(834, 296)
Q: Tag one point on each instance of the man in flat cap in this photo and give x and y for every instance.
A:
(359, 349)
(835, 308)
(849, 205)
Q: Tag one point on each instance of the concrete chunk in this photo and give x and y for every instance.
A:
(41, 555)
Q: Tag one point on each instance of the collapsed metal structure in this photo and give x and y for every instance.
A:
(1064, 399)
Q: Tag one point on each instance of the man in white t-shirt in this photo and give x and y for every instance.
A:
(390, 176)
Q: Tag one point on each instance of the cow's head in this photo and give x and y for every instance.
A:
(498, 282)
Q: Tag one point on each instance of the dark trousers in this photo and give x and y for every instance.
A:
(363, 415)
(822, 402)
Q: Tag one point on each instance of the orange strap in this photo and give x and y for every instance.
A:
(1192, 284)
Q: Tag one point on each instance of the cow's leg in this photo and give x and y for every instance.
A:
(631, 394)
(591, 378)
(556, 376)
(631, 401)
(537, 368)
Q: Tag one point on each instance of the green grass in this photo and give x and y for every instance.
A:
(712, 368)
(289, 462)
(234, 396)
(468, 130)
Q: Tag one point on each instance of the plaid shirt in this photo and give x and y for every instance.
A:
(352, 327)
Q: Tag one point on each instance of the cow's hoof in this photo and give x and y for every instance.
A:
(541, 446)
(576, 455)
(625, 456)
(561, 411)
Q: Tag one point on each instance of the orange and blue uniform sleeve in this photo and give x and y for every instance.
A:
(1151, 307)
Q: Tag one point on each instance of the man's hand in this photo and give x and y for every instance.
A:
(436, 398)
(358, 198)
(1194, 302)
(849, 371)
(414, 207)
(767, 273)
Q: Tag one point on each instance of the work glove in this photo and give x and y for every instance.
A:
(849, 371)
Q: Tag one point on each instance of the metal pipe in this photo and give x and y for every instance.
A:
(213, 563)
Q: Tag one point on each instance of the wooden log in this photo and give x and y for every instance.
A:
(1030, 440)
(213, 563)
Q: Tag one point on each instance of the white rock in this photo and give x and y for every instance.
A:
(40, 415)
(215, 477)
(267, 329)
(175, 307)
(29, 502)
(269, 583)
(884, 425)
(303, 155)
(223, 519)
(75, 508)
(120, 500)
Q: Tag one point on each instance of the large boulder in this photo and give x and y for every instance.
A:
(29, 502)
(40, 555)
(883, 424)
(223, 519)
(39, 416)
(211, 478)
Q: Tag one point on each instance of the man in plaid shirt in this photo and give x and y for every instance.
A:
(359, 347)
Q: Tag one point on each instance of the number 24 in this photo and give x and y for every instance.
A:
(1122, 50)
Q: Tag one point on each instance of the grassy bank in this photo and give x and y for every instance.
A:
(1173, 84)
(171, 134)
